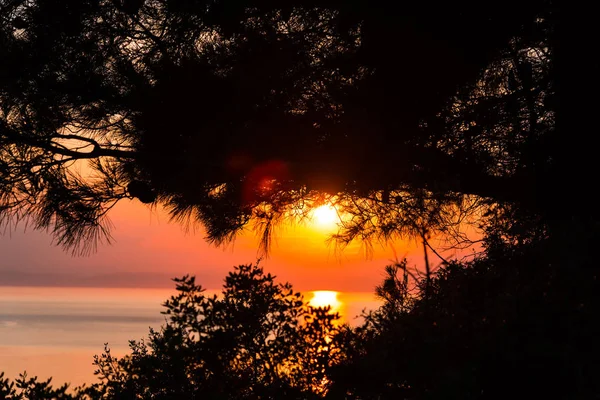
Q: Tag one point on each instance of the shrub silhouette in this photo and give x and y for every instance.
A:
(257, 340)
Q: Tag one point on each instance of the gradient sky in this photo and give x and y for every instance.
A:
(148, 251)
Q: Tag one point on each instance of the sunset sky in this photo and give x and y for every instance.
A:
(59, 313)
(148, 251)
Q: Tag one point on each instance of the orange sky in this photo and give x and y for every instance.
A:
(148, 251)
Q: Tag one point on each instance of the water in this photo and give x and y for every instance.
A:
(56, 331)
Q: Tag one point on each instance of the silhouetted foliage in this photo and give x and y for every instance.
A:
(249, 112)
(506, 325)
(24, 388)
(517, 323)
(236, 112)
(257, 340)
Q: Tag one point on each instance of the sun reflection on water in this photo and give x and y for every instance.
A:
(324, 298)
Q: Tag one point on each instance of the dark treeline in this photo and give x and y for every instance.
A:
(507, 325)
(411, 121)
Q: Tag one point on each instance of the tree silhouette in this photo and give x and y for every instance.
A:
(516, 323)
(236, 112)
(508, 324)
(257, 340)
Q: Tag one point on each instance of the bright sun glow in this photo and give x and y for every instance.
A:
(324, 298)
(325, 215)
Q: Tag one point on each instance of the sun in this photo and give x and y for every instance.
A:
(324, 298)
(325, 216)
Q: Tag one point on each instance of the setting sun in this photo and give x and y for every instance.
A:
(325, 216)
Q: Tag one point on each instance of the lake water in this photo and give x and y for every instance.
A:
(56, 331)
